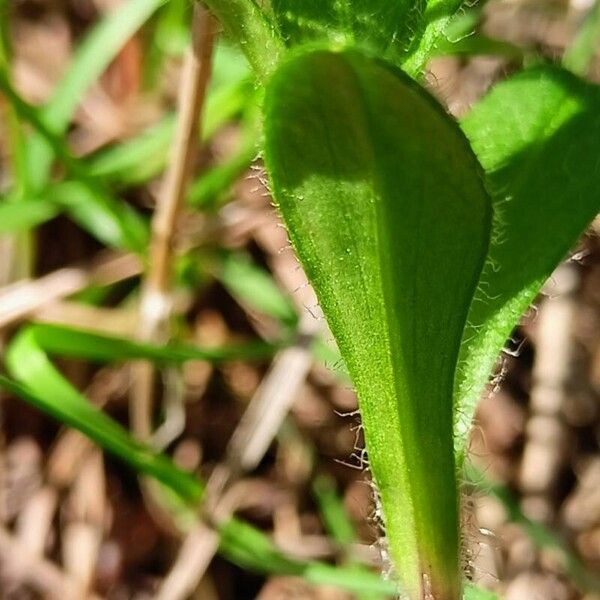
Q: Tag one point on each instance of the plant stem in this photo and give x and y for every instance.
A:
(155, 308)
(246, 23)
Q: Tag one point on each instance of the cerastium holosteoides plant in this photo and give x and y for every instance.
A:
(425, 240)
(425, 243)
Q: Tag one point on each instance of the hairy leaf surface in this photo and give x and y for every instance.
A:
(386, 27)
(386, 209)
(538, 137)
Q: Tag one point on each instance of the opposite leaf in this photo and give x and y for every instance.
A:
(385, 206)
(538, 137)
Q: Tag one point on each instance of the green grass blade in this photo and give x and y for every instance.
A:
(251, 549)
(94, 55)
(77, 343)
(86, 199)
(25, 214)
(255, 287)
(108, 219)
(44, 387)
(208, 190)
(139, 159)
(136, 160)
(538, 137)
(385, 206)
(333, 511)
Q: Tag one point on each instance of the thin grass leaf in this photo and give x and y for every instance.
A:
(385, 206)
(77, 343)
(25, 214)
(255, 287)
(94, 55)
(135, 161)
(538, 137)
(246, 546)
(109, 220)
(333, 511)
(44, 387)
(209, 191)
(87, 200)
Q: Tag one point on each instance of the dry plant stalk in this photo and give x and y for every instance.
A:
(156, 301)
(24, 298)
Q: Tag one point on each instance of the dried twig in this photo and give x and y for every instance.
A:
(156, 302)
(22, 299)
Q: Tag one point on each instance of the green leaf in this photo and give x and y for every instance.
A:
(43, 386)
(109, 220)
(382, 26)
(77, 343)
(538, 137)
(25, 214)
(94, 55)
(86, 199)
(333, 512)
(385, 206)
(136, 160)
(255, 287)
